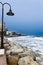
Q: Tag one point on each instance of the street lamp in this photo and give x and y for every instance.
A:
(10, 13)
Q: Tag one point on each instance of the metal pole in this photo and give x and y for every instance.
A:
(2, 45)
(2, 31)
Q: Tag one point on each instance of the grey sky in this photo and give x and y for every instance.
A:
(28, 14)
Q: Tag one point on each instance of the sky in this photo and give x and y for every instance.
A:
(28, 18)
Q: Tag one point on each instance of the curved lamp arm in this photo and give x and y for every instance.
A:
(1, 3)
(10, 13)
(7, 4)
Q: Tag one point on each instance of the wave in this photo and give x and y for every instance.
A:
(33, 42)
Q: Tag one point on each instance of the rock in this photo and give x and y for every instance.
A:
(34, 63)
(41, 56)
(16, 49)
(6, 41)
(27, 61)
(38, 59)
(6, 45)
(11, 53)
(41, 63)
(13, 60)
(8, 52)
(28, 53)
(7, 48)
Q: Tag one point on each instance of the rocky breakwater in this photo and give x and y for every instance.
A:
(19, 55)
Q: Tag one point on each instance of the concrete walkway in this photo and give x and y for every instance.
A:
(3, 60)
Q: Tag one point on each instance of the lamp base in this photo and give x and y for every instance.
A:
(2, 52)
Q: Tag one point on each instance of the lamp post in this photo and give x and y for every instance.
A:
(10, 13)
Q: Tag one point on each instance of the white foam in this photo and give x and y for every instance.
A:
(35, 43)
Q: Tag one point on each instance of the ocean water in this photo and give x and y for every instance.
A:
(33, 42)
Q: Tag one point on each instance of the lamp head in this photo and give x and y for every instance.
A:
(10, 13)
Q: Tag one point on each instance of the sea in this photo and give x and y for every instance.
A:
(31, 42)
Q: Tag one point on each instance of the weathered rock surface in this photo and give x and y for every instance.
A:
(8, 52)
(20, 55)
(27, 61)
(41, 63)
(13, 60)
(39, 60)
(6, 45)
(16, 49)
(13, 48)
(28, 53)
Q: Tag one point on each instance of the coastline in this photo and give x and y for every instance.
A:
(35, 43)
(14, 49)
